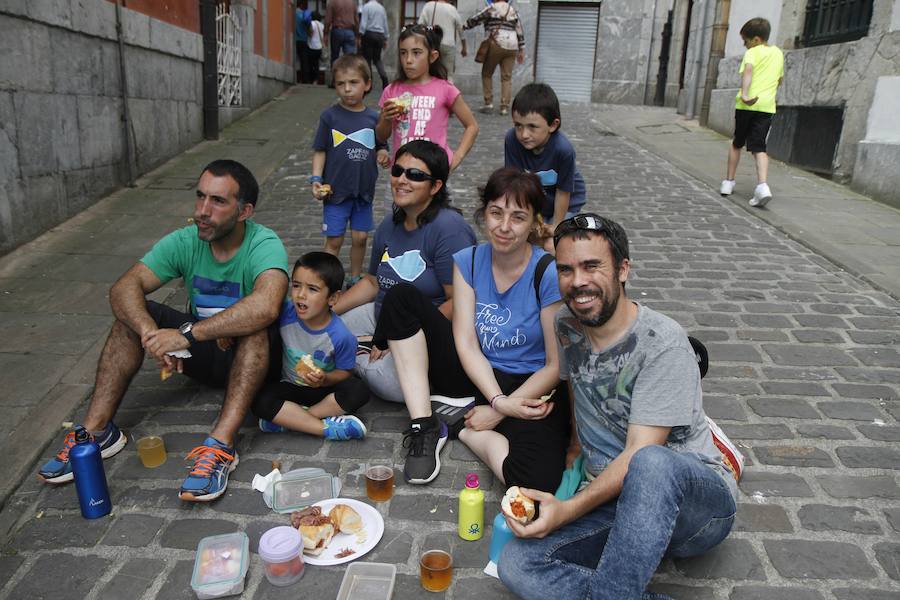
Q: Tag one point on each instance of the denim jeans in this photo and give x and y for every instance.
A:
(342, 39)
(671, 504)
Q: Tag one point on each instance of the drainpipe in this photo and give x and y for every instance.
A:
(716, 53)
(126, 113)
(649, 53)
(210, 70)
(698, 61)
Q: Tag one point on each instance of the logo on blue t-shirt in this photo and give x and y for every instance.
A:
(548, 178)
(408, 265)
(211, 296)
(365, 137)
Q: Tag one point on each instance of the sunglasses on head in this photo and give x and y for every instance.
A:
(417, 27)
(577, 223)
(416, 175)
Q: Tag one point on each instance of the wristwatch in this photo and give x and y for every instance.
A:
(186, 331)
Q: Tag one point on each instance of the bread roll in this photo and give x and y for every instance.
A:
(404, 101)
(517, 506)
(316, 537)
(345, 519)
(306, 365)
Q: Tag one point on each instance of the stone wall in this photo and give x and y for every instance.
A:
(834, 75)
(842, 75)
(62, 140)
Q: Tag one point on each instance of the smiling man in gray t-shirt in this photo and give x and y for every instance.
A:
(657, 483)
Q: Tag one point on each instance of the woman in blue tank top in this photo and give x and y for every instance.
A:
(498, 347)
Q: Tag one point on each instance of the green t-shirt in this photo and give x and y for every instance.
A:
(214, 286)
(768, 69)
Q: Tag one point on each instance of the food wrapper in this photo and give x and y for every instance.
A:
(166, 372)
(404, 101)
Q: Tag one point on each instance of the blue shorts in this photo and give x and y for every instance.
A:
(354, 210)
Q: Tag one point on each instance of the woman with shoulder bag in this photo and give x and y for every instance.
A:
(504, 43)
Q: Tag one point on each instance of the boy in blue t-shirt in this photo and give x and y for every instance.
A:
(535, 144)
(319, 353)
(345, 162)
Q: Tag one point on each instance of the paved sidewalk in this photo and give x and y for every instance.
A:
(855, 232)
(804, 376)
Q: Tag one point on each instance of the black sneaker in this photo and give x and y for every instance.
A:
(425, 442)
(452, 412)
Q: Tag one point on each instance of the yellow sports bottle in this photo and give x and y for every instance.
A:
(471, 509)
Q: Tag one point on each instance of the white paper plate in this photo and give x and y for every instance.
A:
(373, 526)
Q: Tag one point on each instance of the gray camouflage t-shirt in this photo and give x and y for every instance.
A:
(647, 377)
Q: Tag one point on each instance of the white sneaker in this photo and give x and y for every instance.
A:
(727, 187)
(761, 195)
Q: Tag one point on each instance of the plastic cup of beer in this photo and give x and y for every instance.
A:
(151, 450)
(379, 481)
(436, 567)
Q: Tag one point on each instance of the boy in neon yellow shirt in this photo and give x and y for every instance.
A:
(762, 71)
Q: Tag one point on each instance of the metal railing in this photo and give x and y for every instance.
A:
(835, 21)
(228, 38)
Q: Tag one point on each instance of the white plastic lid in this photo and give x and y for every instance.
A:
(280, 544)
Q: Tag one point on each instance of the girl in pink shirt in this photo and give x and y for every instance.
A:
(417, 105)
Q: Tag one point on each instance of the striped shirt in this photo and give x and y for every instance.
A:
(496, 17)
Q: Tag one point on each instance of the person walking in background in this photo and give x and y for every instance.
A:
(440, 13)
(762, 70)
(314, 43)
(302, 19)
(373, 28)
(341, 27)
(506, 43)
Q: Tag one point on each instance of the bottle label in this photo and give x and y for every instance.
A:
(474, 529)
(96, 502)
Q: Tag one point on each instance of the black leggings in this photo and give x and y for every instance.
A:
(350, 394)
(537, 449)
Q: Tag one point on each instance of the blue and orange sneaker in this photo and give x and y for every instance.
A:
(346, 427)
(59, 469)
(213, 462)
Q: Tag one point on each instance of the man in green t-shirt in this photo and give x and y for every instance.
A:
(762, 70)
(235, 272)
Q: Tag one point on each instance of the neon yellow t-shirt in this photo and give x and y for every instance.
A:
(768, 69)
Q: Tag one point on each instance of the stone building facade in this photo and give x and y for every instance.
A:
(839, 112)
(624, 61)
(63, 144)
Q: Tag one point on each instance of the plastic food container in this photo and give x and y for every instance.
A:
(221, 565)
(281, 550)
(368, 581)
(294, 493)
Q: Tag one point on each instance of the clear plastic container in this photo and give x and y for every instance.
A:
(221, 565)
(281, 549)
(368, 581)
(294, 493)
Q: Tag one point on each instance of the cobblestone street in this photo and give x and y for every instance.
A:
(804, 377)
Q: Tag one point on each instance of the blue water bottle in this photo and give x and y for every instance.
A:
(499, 537)
(90, 479)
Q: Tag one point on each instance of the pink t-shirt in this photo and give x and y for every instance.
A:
(428, 112)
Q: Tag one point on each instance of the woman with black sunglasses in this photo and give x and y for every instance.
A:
(412, 254)
(499, 348)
